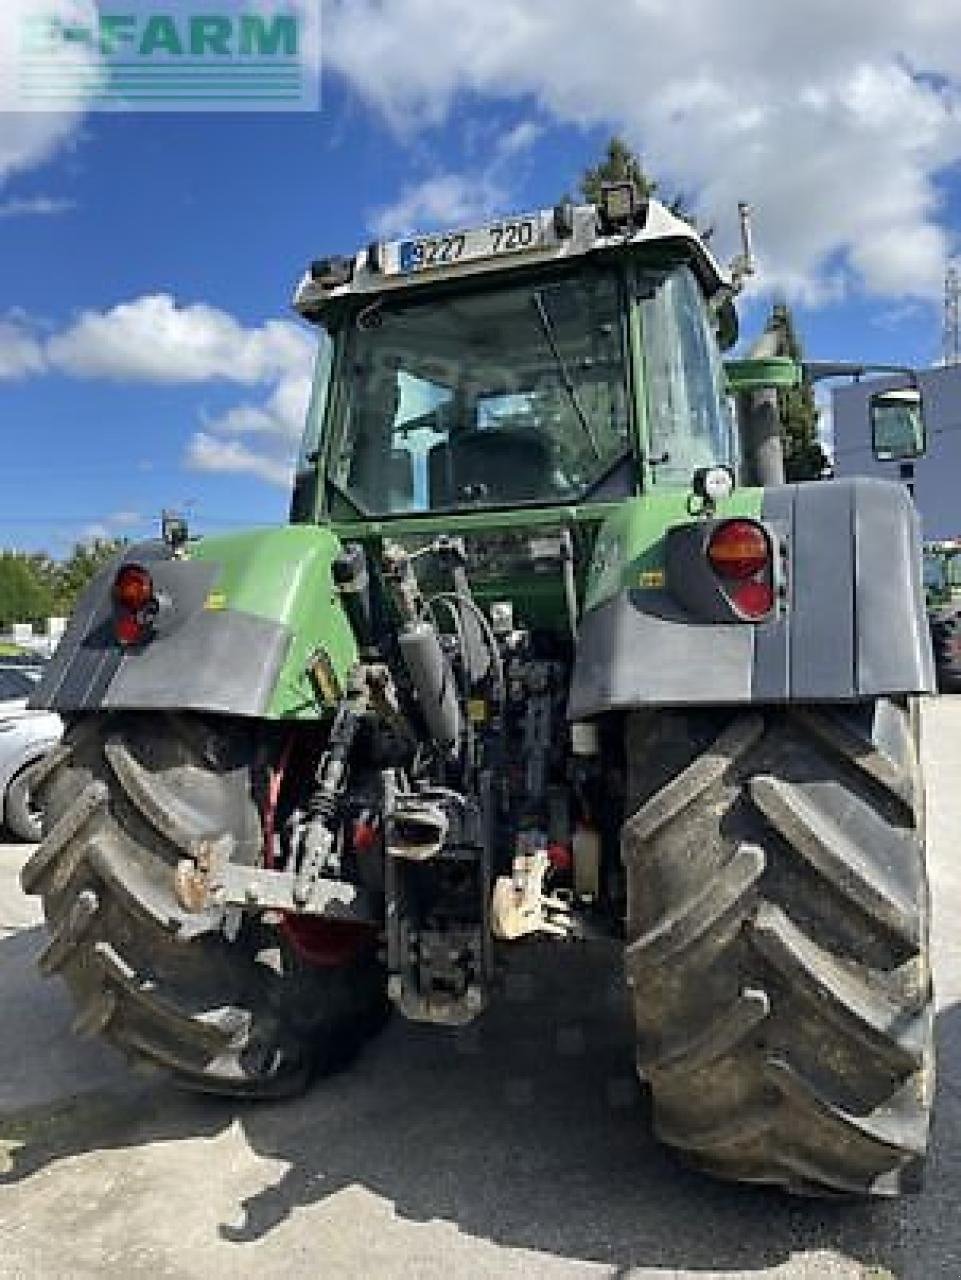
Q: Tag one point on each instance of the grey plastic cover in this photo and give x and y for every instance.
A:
(854, 626)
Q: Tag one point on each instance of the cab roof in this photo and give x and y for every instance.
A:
(545, 236)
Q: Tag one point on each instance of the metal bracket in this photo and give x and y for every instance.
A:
(257, 889)
(210, 881)
(521, 908)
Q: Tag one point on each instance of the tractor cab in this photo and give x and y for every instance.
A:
(563, 358)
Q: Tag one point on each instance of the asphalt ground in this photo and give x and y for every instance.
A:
(519, 1148)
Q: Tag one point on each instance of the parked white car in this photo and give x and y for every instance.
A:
(25, 736)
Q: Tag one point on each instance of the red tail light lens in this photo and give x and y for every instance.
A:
(133, 588)
(135, 604)
(128, 629)
(738, 549)
(753, 599)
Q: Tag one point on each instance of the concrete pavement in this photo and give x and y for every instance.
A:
(522, 1148)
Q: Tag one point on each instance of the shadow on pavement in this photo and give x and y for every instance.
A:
(528, 1131)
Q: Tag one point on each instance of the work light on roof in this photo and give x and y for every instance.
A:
(621, 207)
(329, 273)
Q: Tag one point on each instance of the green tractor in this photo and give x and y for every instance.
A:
(942, 586)
(547, 649)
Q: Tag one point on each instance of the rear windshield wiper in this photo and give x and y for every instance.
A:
(612, 468)
(340, 492)
(568, 382)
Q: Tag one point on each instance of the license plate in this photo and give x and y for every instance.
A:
(511, 235)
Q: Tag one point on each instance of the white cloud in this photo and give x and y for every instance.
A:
(125, 519)
(29, 137)
(901, 313)
(96, 532)
(153, 339)
(282, 414)
(517, 140)
(208, 453)
(453, 199)
(34, 207)
(276, 425)
(118, 524)
(448, 199)
(818, 113)
(21, 353)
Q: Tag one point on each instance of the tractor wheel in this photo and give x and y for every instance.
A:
(225, 1010)
(777, 943)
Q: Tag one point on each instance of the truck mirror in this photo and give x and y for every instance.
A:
(897, 424)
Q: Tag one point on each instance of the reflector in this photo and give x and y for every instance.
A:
(753, 599)
(128, 629)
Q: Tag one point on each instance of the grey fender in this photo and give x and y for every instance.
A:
(852, 627)
(202, 660)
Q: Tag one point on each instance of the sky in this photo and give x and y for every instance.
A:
(149, 357)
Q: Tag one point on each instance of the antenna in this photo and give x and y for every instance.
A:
(745, 264)
(951, 341)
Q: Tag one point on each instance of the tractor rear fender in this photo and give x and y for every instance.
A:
(851, 624)
(240, 618)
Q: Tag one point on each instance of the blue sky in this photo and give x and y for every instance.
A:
(147, 353)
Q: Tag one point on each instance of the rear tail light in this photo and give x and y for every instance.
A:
(132, 587)
(135, 604)
(741, 555)
(739, 549)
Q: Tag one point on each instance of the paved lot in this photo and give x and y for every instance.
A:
(522, 1149)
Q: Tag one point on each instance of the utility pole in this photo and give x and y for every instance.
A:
(951, 343)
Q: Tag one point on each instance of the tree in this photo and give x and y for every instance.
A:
(86, 560)
(804, 458)
(24, 596)
(34, 587)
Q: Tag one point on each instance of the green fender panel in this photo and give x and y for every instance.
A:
(630, 547)
(284, 575)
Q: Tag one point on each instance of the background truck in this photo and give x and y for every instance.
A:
(547, 648)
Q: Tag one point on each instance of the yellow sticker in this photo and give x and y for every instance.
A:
(216, 600)
(477, 710)
(324, 677)
(652, 578)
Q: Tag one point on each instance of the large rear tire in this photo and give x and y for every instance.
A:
(124, 800)
(778, 943)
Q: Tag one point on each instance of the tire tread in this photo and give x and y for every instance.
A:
(767, 945)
